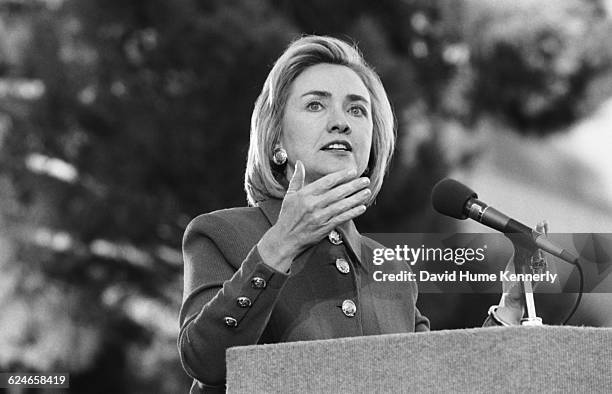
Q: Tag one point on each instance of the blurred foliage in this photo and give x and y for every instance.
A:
(122, 120)
(534, 69)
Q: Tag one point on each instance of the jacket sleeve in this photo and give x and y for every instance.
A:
(222, 307)
(421, 323)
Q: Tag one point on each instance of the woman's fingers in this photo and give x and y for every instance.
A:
(514, 296)
(347, 215)
(339, 207)
(344, 190)
(297, 180)
(329, 181)
(311, 217)
(311, 210)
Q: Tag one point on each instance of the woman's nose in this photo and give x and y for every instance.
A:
(338, 123)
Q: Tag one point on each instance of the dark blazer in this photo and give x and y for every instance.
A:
(232, 298)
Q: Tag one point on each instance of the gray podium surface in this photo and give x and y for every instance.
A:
(481, 360)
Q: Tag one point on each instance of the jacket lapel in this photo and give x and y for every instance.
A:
(271, 209)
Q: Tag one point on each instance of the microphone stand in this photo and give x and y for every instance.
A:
(527, 259)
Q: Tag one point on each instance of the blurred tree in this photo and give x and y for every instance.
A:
(534, 61)
(142, 124)
(125, 119)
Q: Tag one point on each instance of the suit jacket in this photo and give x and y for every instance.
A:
(232, 298)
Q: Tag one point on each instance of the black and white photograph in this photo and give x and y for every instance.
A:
(282, 196)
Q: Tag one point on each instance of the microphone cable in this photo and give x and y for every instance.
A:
(580, 290)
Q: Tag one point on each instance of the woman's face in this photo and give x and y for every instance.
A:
(327, 123)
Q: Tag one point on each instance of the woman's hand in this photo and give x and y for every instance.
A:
(310, 212)
(512, 303)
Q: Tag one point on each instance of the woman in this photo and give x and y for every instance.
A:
(293, 266)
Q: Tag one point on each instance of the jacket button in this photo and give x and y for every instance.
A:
(244, 302)
(335, 237)
(343, 266)
(349, 308)
(258, 282)
(230, 321)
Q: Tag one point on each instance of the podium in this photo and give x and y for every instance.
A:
(495, 359)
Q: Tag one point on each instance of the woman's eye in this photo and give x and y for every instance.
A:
(357, 111)
(314, 106)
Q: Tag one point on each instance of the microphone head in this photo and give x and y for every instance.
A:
(449, 197)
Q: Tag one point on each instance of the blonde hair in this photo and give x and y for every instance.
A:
(262, 179)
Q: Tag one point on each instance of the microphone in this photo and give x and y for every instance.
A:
(454, 199)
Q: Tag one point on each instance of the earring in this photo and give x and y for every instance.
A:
(279, 156)
(366, 172)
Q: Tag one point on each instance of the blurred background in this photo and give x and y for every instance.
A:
(122, 120)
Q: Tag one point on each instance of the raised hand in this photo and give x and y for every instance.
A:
(310, 212)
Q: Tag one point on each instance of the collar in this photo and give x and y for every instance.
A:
(271, 209)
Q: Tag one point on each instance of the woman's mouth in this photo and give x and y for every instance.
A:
(338, 146)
